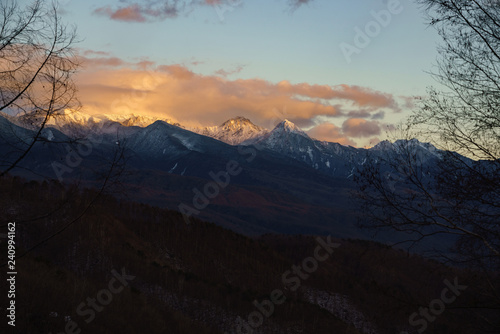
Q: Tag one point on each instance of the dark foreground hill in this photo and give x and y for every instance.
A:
(123, 267)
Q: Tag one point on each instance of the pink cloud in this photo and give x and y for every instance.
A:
(330, 132)
(94, 62)
(132, 13)
(360, 96)
(149, 10)
(358, 127)
(139, 12)
(152, 10)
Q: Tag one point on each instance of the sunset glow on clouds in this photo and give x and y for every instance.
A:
(357, 127)
(332, 133)
(201, 62)
(111, 85)
(149, 10)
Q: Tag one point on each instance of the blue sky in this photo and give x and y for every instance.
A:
(271, 41)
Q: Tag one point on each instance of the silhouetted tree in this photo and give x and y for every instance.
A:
(36, 66)
(456, 192)
(37, 63)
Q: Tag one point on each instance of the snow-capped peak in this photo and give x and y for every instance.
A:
(233, 131)
(404, 143)
(77, 124)
(413, 146)
(289, 127)
(132, 119)
(71, 118)
(383, 146)
(239, 123)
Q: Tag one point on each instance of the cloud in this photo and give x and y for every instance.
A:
(90, 53)
(101, 61)
(360, 96)
(358, 127)
(160, 10)
(132, 13)
(144, 11)
(196, 62)
(330, 132)
(112, 85)
(294, 4)
(379, 115)
(225, 73)
(373, 141)
(94, 59)
(410, 102)
(359, 113)
(351, 128)
(154, 10)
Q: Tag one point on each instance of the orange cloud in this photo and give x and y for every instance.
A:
(192, 99)
(330, 132)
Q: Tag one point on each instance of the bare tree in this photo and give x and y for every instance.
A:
(37, 62)
(455, 191)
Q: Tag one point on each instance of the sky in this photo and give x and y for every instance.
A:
(345, 71)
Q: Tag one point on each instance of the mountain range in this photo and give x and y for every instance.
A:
(287, 182)
(74, 123)
(286, 138)
(208, 222)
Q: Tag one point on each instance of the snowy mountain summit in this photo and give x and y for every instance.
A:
(233, 131)
(289, 127)
(285, 136)
(75, 123)
(158, 138)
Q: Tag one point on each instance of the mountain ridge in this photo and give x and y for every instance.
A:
(238, 130)
(234, 131)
